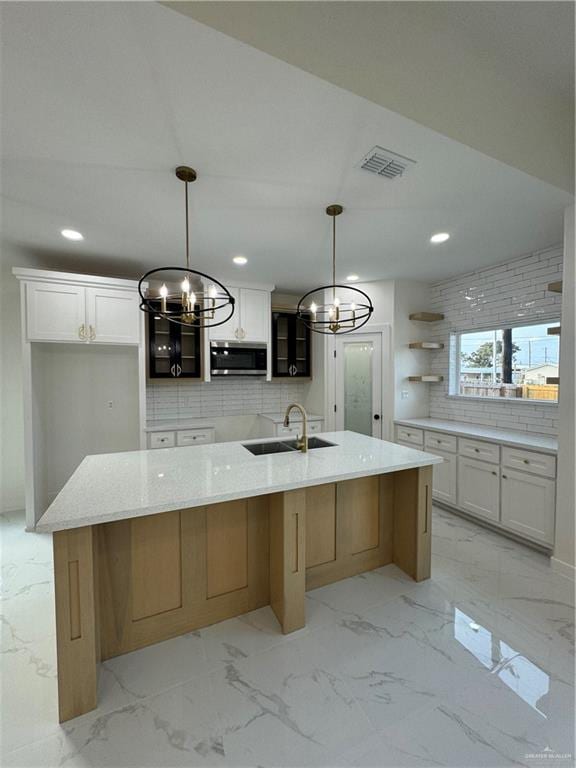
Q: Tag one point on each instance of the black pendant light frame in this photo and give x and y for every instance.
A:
(202, 312)
(337, 317)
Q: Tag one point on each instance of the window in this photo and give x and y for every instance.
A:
(519, 363)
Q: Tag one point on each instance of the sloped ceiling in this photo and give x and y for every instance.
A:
(497, 76)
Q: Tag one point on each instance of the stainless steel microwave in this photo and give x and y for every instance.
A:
(232, 358)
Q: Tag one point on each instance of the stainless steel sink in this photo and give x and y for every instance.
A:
(284, 446)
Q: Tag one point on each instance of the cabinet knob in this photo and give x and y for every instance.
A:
(477, 450)
(494, 473)
(504, 477)
(526, 461)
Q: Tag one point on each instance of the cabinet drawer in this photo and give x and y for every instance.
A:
(477, 449)
(528, 461)
(409, 435)
(437, 441)
(194, 436)
(293, 429)
(161, 440)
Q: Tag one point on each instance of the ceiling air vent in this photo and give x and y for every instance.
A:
(382, 162)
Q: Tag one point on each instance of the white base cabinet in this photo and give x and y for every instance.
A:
(444, 478)
(512, 488)
(479, 488)
(528, 504)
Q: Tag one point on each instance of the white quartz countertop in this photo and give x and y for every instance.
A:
(117, 486)
(511, 437)
(278, 418)
(174, 424)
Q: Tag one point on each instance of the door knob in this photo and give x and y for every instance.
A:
(376, 417)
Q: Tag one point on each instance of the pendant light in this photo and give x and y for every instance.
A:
(334, 308)
(186, 297)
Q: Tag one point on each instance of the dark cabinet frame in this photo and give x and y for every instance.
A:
(298, 366)
(174, 339)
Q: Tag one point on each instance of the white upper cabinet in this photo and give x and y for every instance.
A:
(113, 316)
(74, 308)
(251, 319)
(255, 315)
(55, 312)
(228, 330)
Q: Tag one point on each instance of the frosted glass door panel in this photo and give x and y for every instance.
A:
(358, 387)
(359, 384)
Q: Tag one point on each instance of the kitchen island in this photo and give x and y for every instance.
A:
(153, 544)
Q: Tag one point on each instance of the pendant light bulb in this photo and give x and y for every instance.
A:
(192, 299)
(212, 292)
(163, 291)
(185, 285)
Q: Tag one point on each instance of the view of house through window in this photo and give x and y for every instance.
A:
(520, 362)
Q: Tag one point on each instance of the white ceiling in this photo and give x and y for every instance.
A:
(102, 100)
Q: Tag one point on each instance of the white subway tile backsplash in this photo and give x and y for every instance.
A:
(506, 293)
(233, 397)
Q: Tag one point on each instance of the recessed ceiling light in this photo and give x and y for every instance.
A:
(72, 234)
(351, 278)
(440, 237)
(240, 260)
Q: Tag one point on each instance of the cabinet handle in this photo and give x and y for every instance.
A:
(494, 473)
(172, 370)
(92, 333)
(82, 332)
(178, 370)
(526, 461)
(504, 477)
(477, 450)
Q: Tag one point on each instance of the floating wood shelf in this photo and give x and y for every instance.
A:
(554, 331)
(552, 380)
(427, 317)
(431, 377)
(555, 287)
(426, 345)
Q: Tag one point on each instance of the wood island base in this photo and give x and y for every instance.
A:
(124, 585)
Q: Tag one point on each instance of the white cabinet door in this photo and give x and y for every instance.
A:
(528, 505)
(228, 331)
(444, 478)
(113, 316)
(55, 312)
(255, 315)
(479, 488)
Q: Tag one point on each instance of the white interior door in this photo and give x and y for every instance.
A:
(359, 383)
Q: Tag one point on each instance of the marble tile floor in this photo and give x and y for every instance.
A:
(472, 668)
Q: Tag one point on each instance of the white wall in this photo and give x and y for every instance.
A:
(87, 402)
(11, 409)
(410, 296)
(511, 293)
(565, 498)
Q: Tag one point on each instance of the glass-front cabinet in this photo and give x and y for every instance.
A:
(173, 350)
(291, 347)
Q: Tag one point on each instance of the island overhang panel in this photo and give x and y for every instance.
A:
(129, 574)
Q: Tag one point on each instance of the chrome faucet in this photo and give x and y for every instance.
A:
(301, 442)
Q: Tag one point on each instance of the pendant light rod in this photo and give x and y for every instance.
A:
(333, 211)
(187, 175)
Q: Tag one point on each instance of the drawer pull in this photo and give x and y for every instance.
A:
(526, 461)
(477, 450)
(494, 473)
(505, 477)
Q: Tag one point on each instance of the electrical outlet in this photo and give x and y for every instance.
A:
(404, 394)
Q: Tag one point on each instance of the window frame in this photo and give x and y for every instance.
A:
(456, 363)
